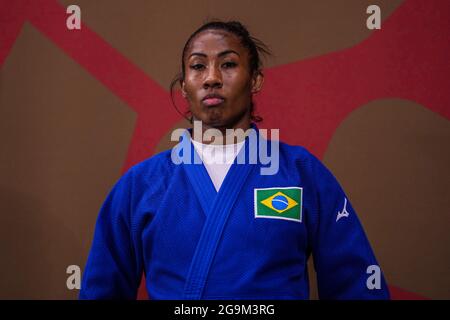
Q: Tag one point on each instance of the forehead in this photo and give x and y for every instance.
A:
(215, 41)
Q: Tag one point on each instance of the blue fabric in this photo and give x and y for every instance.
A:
(217, 215)
(167, 221)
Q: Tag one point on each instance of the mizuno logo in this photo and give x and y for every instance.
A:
(344, 212)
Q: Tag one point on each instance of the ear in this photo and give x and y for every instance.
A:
(257, 82)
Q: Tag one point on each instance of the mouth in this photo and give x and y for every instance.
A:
(212, 100)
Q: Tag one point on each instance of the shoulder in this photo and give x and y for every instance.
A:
(159, 163)
(149, 174)
(296, 153)
(306, 163)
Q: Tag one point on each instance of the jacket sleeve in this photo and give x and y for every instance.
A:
(345, 264)
(112, 270)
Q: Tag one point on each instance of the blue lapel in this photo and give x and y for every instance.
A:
(199, 178)
(217, 206)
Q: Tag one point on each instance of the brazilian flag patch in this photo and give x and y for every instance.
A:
(279, 203)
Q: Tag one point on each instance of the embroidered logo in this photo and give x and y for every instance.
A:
(279, 203)
(344, 212)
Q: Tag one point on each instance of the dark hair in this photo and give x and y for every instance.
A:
(254, 46)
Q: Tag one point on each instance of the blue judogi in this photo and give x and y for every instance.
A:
(168, 221)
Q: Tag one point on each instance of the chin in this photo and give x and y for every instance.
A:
(214, 119)
(215, 123)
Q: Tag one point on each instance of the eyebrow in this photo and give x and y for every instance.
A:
(221, 54)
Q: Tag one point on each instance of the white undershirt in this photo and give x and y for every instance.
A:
(217, 159)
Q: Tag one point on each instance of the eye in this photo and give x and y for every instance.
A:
(197, 66)
(229, 64)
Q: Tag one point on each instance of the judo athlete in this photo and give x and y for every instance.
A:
(212, 230)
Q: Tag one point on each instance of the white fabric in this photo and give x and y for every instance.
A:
(217, 159)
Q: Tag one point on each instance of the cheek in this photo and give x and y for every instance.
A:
(190, 92)
(240, 87)
(192, 84)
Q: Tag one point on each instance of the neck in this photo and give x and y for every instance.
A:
(226, 134)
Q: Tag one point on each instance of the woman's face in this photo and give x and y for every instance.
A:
(217, 64)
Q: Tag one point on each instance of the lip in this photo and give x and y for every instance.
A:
(212, 99)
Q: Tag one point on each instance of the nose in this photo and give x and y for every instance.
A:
(213, 78)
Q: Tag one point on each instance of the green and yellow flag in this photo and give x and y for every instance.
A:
(279, 203)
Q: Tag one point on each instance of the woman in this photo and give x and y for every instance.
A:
(221, 229)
